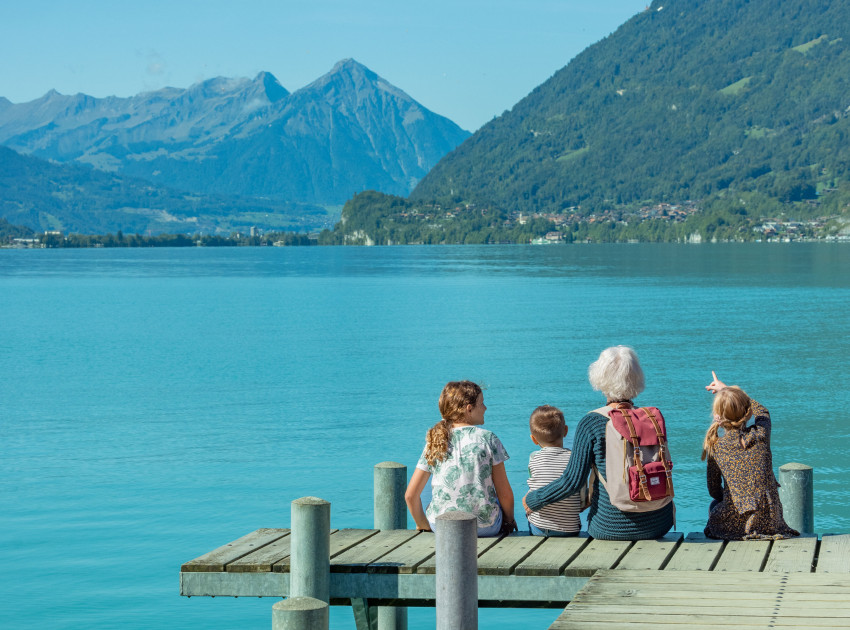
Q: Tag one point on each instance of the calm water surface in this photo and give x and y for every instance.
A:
(155, 404)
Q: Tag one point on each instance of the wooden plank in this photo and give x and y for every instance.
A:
(743, 555)
(651, 554)
(696, 553)
(792, 555)
(834, 554)
(552, 556)
(500, 559)
(731, 583)
(598, 554)
(370, 550)
(430, 565)
(263, 559)
(407, 557)
(640, 594)
(708, 608)
(216, 559)
(626, 619)
(694, 599)
(340, 541)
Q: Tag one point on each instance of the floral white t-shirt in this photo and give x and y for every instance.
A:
(464, 480)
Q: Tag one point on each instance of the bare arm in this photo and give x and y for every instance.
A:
(413, 498)
(503, 491)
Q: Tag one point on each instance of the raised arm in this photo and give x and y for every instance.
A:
(576, 473)
(760, 431)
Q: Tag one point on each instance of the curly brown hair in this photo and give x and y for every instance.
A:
(456, 395)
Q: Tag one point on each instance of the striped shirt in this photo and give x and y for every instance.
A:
(544, 467)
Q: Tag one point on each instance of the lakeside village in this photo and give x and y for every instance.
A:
(770, 230)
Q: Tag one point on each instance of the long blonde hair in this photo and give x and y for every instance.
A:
(731, 410)
(454, 398)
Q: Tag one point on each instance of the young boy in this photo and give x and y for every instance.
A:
(548, 431)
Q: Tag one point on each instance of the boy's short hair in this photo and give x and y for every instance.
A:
(547, 424)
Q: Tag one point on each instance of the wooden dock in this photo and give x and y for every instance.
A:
(397, 567)
(677, 581)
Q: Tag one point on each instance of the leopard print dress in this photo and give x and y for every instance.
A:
(740, 478)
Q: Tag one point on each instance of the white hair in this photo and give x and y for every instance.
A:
(617, 373)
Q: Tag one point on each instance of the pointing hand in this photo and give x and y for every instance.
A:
(716, 384)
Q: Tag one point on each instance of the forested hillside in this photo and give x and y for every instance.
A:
(741, 101)
(70, 198)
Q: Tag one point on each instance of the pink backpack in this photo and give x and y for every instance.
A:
(637, 460)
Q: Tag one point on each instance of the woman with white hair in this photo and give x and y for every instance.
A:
(618, 375)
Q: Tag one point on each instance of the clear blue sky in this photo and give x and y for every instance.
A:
(468, 60)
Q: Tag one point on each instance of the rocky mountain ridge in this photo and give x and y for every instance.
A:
(347, 131)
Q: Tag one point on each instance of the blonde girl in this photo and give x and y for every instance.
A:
(467, 463)
(740, 476)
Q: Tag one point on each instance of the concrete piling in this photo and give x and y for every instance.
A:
(310, 550)
(390, 512)
(457, 571)
(796, 491)
(300, 613)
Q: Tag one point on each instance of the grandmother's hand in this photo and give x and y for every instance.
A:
(716, 385)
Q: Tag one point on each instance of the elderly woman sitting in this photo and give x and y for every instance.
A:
(618, 375)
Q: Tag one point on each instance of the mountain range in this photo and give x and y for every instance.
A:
(747, 101)
(347, 131)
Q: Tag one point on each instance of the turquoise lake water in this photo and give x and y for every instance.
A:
(155, 404)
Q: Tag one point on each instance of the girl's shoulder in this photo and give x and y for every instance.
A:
(475, 433)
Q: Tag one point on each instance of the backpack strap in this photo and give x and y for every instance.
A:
(662, 449)
(637, 454)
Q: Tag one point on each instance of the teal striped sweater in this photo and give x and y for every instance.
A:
(604, 521)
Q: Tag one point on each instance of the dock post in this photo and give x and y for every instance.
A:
(796, 491)
(390, 484)
(390, 512)
(300, 613)
(457, 571)
(310, 572)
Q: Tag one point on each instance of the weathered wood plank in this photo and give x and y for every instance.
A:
(263, 559)
(792, 555)
(552, 556)
(735, 597)
(340, 541)
(406, 557)
(696, 553)
(216, 559)
(362, 554)
(693, 599)
(500, 559)
(834, 554)
(743, 555)
(731, 581)
(430, 565)
(580, 619)
(651, 554)
(598, 554)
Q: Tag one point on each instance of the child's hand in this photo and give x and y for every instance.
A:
(528, 510)
(715, 385)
